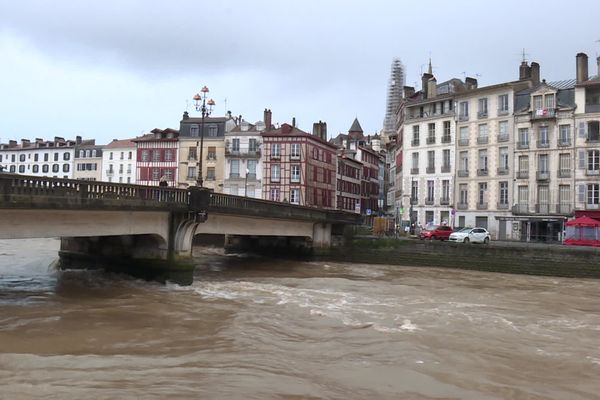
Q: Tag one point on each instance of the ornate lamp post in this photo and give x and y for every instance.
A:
(205, 107)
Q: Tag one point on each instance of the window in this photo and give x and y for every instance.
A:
(503, 192)
(295, 150)
(275, 173)
(276, 150)
(564, 164)
(274, 194)
(22, 157)
(120, 168)
(549, 101)
(128, 179)
(446, 160)
(593, 192)
(524, 164)
(446, 190)
(523, 195)
(155, 174)
(564, 193)
(414, 191)
(56, 156)
(431, 133)
(523, 138)
(122, 155)
(95, 153)
(55, 167)
(168, 155)
(36, 168)
(564, 135)
(213, 131)
(21, 169)
(210, 174)
(129, 155)
(482, 137)
(295, 173)
(543, 139)
(194, 131)
(110, 156)
(464, 161)
(168, 174)
(252, 145)
(431, 161)
(415, 139)
(483, 160)
(415, 160)
(503, 158)
(482, 193)
(13, 168)
(537, 102)
(593, 160)
(503, 103)
(65, 167)
(463, 135)
(483, 107)
(45, 157)
(45, 168)
(464, 193)
(212, 153)
(120, 179)
(155, 155)
(295, 196)
(503, 131)
(145, 155)
(430, 191)
(543, 163)
(447, 131)
(35, 157)
(81, 153)
(251, 166)
(235, 144)
(235, 169)
(192, 155)
(12, 158)
(463, 108)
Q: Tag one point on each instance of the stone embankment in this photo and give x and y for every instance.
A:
(505, 257)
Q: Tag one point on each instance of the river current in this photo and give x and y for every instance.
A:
(257, 328)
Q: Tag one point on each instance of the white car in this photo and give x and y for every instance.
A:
(471, 235)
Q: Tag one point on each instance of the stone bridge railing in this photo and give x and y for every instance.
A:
(22, 191)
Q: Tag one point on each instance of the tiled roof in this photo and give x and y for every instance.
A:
(564, 84)
(120, 143)
(355, 126)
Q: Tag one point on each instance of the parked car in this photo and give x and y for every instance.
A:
(440, 232)
(471, 235)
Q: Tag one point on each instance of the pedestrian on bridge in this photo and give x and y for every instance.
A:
(163, 181)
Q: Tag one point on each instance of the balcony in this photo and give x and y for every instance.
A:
(251, 176)
(502, 171)
(295, 179)
(503, 112)
(563, 173)
(543, 113)
(463, 117)
(592, 108)
(520, 209)
(482, 206)
(428, 202)
(463, 173)
(589, 206)
(414, 171)
(293, 156)
(502, 206)
(482, 172)
(210, 177)
(565, 142)
(482, 114)
(592, 172)
(463, 142)
(414, 142)
(446, 139)
(542, 175)
(240, 152)
(482, 140)
(431, 140)
(503, 138)
(565, 209)
(462, 206)
(445, 168)
(414, 201)
(522, 145)
(430, 170)
(522, 174)
(234, 175)
(192, 157)
(444, 201)
(543, 144)
(110, 172)
(542, 208)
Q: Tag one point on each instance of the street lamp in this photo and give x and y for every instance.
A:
(246, 183)
(205, 107)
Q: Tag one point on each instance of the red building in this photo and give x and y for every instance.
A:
(298, 167)
(157, 154)
(369, 179)
(348, 183)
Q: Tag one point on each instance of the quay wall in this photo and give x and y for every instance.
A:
(517, 258)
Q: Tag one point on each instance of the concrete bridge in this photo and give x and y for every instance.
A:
(153, 227)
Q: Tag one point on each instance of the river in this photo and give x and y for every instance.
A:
(256, 328)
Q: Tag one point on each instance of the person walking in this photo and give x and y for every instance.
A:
(163, 181)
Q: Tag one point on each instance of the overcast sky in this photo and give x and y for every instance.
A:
(114, 69)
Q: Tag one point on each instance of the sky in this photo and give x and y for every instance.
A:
(120, 68)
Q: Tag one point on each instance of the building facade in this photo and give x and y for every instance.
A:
(348, 182)
(39, 158)
(119, 161)
(157, 156)
(88, 161)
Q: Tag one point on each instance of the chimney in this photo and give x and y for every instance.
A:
(432, 87)
(12, 143)
(534, 72)
(320, 130)
(524, 71)
(582, 67)
(471, 83)
(77, 139)
(267, 119)
(598, 64)
(294, 122)
(186, 115)
(424, 84)
(25, 142)
(408, 91)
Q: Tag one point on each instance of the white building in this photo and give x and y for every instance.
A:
(39, 158)
(119, 162)
(88, 161)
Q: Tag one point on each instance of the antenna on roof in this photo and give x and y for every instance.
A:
(225, 102)
(187, 105)
(523, 55)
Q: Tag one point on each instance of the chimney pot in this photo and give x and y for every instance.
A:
(581, 67)
(534, 72)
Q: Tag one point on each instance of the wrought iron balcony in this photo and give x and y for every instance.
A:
(462, 206)
(520, 209)
(482, 139)
(543, 113)
(522, 174)
(445, 168)
(503, 138)
(431, 140)
(414, 171)
(522, 145)
(482, 206)
(430, 170)
(542, 175)
(543, 144)
(502, 171)
(463, 173)
(463, 142)
(503, 111)
(482, 172)
(592, 172)
(565, 142)
(428, 202)
(502, 206)
(563, 173)
(444, 201)
(463, 117)
(565, 209)
(542, 208)
(482, 114)
(446, 139)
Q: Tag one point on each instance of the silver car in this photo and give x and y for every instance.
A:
(471, 235)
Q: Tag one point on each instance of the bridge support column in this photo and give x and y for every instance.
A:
(321, 235)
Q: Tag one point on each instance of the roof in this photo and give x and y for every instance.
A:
(565, 94)
(287, 130)
(206, 120)
(590, 82)
(120, 143)
(355, 127)
(564, 84)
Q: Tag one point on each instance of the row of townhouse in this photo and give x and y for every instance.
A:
(224, 154)
(518, 158)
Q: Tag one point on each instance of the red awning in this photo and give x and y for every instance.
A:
(583, 221)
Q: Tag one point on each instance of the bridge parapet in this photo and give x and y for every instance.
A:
(21, 191)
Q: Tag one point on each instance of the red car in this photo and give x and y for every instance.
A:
(439, 232)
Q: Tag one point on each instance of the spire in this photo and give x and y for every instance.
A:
(355, 127)
(430, 70)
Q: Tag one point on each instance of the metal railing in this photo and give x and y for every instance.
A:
(431, 140)
(463, 173)
(503, 138)
(502, 171)
(482, 139)
(542, 175)
(446, 139)
(563, 173)
(463, 142)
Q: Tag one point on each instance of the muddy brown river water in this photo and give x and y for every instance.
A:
(256, 328)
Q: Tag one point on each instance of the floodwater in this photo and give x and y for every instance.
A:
(255, 328)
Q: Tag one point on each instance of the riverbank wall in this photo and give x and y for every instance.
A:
(513, 258)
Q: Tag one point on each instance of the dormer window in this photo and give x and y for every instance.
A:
(549, 101)
(194, 131)
(538, 102)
